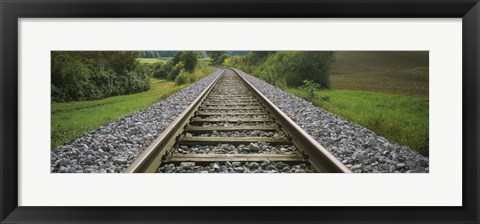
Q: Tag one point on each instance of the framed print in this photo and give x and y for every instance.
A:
(249, 112)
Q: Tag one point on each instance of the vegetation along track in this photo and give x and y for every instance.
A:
(232, 128)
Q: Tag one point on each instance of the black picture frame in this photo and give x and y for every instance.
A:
(11, 11)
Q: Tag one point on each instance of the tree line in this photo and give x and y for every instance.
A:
(86, 75)
(156, 54)
(179, 69)
(168, 54)
(285, 68)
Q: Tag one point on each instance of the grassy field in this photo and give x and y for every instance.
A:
(73, 119)
(151, 60)
(165, 59)
(404, 73)
(399, 118)
(386, 92)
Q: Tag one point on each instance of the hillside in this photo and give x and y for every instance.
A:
(403, 73)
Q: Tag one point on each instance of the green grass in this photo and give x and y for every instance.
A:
(73, 119)
(208, 59)
(399, 118)
(150, 60)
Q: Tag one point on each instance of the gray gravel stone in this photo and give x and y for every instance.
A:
(113, 146)
(254, 147)
(238, 167)
(117, 143)
(260, 147)
(351, 143)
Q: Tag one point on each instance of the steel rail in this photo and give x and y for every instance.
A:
(320, 158)
(151, 158)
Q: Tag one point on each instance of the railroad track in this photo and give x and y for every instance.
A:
(232, 127)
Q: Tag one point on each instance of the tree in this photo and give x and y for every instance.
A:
(237, 53)
(217, 56)
(257, 57)
(190, 60)
(289, 68)
(312, 65)
(182, 60)
(84, 75)
(156, 54)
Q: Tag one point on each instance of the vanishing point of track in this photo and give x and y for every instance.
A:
(232, 122)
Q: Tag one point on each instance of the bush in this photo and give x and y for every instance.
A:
(238, 62)
(95, 75)
(287, 68)
(157, 70)
(275, 68)
(310, 88)
(217, 57)
(184, 77)
(189, 60)
(184, 68)
(311, 65)
(175, 70)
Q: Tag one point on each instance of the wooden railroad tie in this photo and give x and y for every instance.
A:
(234, 157)
(230, 140)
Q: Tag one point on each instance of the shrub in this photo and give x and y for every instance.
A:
(217, 57)
(175, 70)
(189, 60)
(159, 70)
(310, 88)
(311, 65)
(287, 68)
(85, 75)
(184, 77)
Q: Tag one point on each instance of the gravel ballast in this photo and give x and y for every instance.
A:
(236, 167)
(259, 147)
(355, 146)
(113, 146)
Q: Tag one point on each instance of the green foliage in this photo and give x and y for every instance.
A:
(175, 70)
(256, 57)
(221, 59)
(287, 68)
(156, 54)
(85, 75)
(399, 118)
(189, 59)
(184, 67)
(182, 60)
(237, 62)
(203, 69)
(200, 71)
(184, 77)
(72, 119)
(311, 65)
(235, 53)
(250, 61)
(217, 56)
(310, 88)
(158, 70)
(169, 54)
(275, 67)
